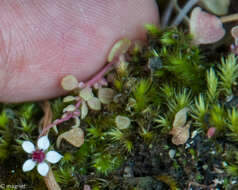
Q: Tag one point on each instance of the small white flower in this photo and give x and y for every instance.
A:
(39, 156)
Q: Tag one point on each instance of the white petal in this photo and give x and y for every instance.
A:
(43, 143)
(28, 165)
(28, 146)
(53, 157)
(43, 168)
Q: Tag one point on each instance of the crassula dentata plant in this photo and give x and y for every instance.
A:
(85, 99)
(85, 96)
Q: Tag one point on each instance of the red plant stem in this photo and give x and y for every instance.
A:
(71, 114)
(99, 75)
(56, 122)
(78, 104)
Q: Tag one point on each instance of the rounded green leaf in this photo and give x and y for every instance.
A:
(118, 48)
(69, 82)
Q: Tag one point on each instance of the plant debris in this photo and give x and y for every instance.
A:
(74, 136)
(180, 130)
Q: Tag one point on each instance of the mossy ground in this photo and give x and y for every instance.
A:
(162, 77)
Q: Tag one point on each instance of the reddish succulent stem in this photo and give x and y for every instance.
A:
(78, 104)
(71, 114)
(99, 75)
(56, 122)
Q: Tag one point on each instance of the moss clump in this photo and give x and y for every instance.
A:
(17, 123)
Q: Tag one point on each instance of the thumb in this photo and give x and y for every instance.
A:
(42, 41)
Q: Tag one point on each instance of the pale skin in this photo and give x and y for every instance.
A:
(42, 41)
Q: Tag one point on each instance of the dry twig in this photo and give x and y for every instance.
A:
(46, 120)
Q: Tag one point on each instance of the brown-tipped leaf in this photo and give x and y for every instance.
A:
(74, 136)
(180, 134)
(180, 131)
